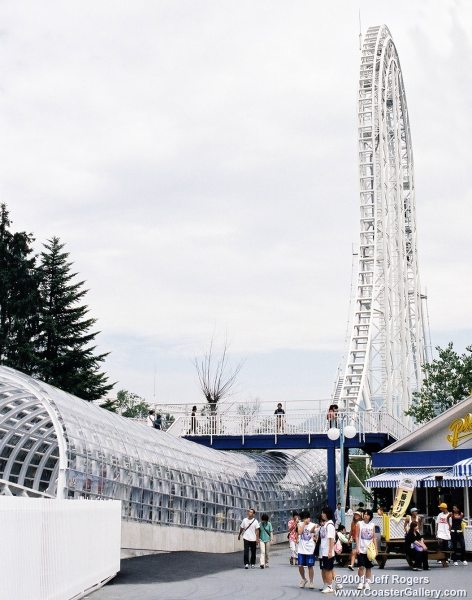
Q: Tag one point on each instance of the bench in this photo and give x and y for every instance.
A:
(442, 555)
(384, 556)
(381, 558)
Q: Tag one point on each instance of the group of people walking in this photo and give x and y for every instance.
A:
(321, 540)
(255, 533)
(326, 539)
(312, 540)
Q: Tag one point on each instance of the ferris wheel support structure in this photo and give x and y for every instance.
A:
(387, 341)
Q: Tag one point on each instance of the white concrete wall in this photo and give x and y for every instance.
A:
(57, 549)
(144, 536)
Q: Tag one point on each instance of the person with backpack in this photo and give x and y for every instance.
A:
(266, 537)
(249, 529)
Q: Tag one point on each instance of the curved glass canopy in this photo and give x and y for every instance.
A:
(56, 443)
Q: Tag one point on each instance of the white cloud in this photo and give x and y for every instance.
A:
(199, 159)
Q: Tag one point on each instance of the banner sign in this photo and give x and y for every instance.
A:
(405, 491)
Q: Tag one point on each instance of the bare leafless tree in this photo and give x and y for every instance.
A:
(216, 376)
(250, 408)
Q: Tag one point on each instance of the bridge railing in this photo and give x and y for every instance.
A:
(302, 422)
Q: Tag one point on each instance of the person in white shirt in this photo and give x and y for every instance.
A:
(337, 515)
(443, 531)
(328, 538)
(365, 535)
(249, 529)
(151, 418)
(306, 548)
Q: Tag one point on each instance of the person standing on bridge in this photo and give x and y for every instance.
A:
(332, 416)
(337, 515)
(249, 529)
(151, 418)
(280, 418)
(193, 421)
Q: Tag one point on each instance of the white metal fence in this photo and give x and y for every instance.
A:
(302, 422)
(57, 549)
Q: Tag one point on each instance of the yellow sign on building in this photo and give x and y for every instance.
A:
(460, 429)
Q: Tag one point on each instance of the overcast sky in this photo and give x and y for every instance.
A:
(199, 159)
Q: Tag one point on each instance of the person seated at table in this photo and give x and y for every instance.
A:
(343, 537)
(416, 548)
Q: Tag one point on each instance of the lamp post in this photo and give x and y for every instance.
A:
(341, 432)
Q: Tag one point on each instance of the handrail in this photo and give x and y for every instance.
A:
(234, 407)
(293, 423)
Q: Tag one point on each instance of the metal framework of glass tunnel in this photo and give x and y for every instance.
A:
(57, 444)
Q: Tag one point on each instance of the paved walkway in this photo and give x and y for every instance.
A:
(197, 576)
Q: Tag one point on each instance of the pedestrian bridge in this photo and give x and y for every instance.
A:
(374, 430)
(297, 429)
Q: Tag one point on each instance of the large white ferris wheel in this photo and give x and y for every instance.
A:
(387, 343)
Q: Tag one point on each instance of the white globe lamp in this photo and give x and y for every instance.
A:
(350, 431)
(333, 433)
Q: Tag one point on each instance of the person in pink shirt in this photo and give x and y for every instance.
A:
(293, 537)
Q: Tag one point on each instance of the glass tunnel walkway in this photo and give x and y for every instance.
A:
(57, 445)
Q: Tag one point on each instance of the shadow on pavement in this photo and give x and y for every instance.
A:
(174, 566)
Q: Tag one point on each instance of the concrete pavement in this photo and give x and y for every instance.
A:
(197, 576)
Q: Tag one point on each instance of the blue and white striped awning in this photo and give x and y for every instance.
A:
(392, 477)
(463, 468)
(448, 480)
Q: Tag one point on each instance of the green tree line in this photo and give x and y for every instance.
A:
(45, 327)
(447, 381)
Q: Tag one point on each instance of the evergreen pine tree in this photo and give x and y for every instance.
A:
(66, 358)
(19, 297)
(110, 404)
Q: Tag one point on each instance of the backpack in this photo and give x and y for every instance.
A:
(338, 547)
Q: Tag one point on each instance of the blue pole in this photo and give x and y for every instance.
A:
(331, 459)
(341, 472)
